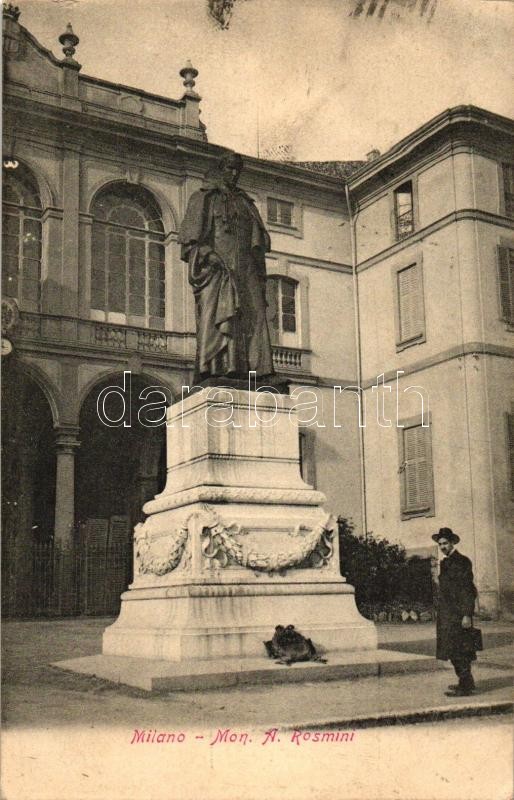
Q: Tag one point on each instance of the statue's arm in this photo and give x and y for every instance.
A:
(195, 231)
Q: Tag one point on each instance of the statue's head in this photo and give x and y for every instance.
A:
(229, 168)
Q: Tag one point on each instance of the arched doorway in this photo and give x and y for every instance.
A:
(118, 469)
(28, 502)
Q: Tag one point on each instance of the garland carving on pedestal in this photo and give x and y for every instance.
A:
(313, 548)
(163, 559)
(162, 552)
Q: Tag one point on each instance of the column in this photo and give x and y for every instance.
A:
(64, 588)
(70, 230)
(51, 261)
(84, 276)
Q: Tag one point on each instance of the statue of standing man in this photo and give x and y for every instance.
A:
(224, 241)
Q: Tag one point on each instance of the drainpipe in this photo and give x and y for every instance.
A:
(356, 314)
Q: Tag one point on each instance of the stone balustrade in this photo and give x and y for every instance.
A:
(104, 335)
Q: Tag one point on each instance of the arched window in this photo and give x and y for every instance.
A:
(21, 238)
(282, 310)
(127, 276)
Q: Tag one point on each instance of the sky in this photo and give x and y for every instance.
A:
(302, 73)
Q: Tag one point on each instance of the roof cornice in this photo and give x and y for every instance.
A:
(44, 51)
(120, 87)
(172, 141)
(444, 122)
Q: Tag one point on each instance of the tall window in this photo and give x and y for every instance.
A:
(508, 188)
(280, 212)
(282, 310)
(128, 276)
(417, 485)
(506, 283)
(404, 210)
(21, 238)
(410, 305)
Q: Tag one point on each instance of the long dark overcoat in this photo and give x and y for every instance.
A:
(457, 595)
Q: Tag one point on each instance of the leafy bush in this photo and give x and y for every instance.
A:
(386, 581)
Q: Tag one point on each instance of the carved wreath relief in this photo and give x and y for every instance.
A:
(160, 553)
(307, 548)
(232, 545)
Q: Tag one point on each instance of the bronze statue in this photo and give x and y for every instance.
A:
(224, 241)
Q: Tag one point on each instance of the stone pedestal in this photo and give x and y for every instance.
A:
(236, 543)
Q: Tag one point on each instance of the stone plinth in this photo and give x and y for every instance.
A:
(236, 543)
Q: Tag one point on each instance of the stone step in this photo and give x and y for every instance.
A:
(196, 675)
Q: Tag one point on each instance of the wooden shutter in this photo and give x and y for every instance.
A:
(506, 283)
(410, 303)
(508, 188)
(510, 445)
(417, 470)
(272, 210)
(272, 311)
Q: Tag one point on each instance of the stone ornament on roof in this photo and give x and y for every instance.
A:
(11, 30)
(189, 73)
(69, 40)
(10, 11)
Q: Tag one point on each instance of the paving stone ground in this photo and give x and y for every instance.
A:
(37, 695)
(69, 737)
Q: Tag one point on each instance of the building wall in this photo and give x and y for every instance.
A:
(461, 365)
(463, 475)
(70, 351)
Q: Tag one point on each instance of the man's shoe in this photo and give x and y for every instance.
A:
(457, 686)
(459, 692)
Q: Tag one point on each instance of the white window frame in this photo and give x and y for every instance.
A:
(412, 179)
(296, 227)
(288, 338)
(126, 318)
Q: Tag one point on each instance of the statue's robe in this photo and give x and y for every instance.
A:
(230, 300)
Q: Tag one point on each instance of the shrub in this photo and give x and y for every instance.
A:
(386, 581)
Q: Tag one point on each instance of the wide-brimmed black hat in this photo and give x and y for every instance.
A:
(446, 533)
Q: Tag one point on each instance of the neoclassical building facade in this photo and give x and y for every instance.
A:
(96, 181)
(400, 266)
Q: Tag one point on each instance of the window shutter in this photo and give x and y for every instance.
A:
(506, 283)
(272, 311)
(510, 445)
(508, 188)
(272, 210)
(418, 485)
(410, 303)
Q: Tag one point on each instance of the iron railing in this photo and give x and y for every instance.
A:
(87, 579)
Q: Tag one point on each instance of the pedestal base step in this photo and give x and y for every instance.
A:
(195, 675)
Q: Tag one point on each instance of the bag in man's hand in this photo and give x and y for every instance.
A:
(472, 639)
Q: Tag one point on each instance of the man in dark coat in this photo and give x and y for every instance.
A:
(224, 241)
(457, 594)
